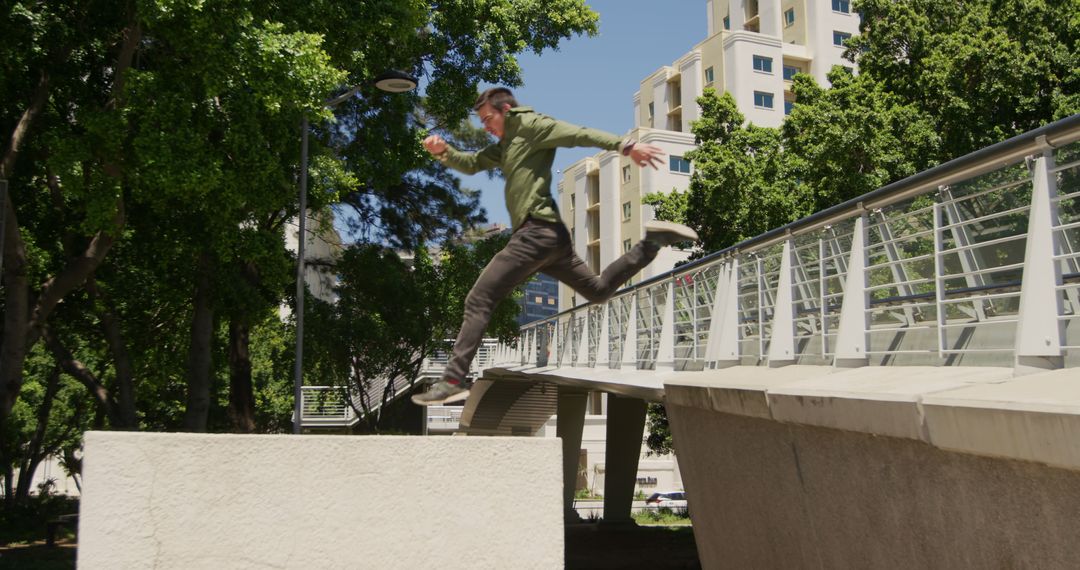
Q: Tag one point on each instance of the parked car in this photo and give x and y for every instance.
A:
(670, 499)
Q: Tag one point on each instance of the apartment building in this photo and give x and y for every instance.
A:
(541, 299)
(600, 201)
(753, 50)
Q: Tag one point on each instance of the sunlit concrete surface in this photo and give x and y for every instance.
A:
(190, 501)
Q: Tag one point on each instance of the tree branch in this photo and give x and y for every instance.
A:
(77, 370)
(18, 136)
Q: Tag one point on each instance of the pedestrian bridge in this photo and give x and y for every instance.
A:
(891, 382)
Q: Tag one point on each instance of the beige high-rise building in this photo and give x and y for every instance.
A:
(753, 50)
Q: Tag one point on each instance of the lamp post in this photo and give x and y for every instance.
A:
(391, 81)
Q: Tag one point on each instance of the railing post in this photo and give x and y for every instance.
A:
(782, 340)
(1039, 330)
(762, 297)
(939, 279)
(629, 347)
(854, 320)
(603, 355)
(581, 336)
(823, 291)
(723, 347)
(665, 353)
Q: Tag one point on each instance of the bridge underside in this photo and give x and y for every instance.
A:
(818, 466)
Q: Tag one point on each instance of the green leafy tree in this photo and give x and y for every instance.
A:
(389, 317)
(852, 138)
(983, 70)
(741, 185)
(172, 126)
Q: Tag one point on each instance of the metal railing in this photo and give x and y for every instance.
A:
(443, 418)
(974, 261)
(335, 406)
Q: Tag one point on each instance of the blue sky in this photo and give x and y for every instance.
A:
(591, 81)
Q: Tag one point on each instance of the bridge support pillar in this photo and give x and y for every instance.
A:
(570, 410)
(625, 427)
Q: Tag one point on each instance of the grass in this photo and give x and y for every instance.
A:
(663, 516)
(22, 535)
(25, 524)
(37, 556)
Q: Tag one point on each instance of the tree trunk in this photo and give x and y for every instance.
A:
(125, 383)
(241, 390)
(16, 314)
(23, 325)
(199, 358)
(34, 456)
(9, 495)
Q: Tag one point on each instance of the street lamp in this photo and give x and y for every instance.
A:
(392, 81)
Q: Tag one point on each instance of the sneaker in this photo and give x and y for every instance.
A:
(667, 233)
(442, 392)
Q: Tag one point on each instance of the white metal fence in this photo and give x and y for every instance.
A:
(975, 261)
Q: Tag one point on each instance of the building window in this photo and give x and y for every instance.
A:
(727, 22)
(573, 202)
(626, 211)
(652, 110)
(679, 164)
(626, 174)
(708, 75)
(839, 38)
(789, 17)
(551, 300)
(788, 106)
(626, 246)
(762, 63)
(539, 299)
(841, 6)
(790, 71)
(849, 69)
(763, 100)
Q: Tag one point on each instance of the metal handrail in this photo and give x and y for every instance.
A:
(771, 283)
(1058, 133)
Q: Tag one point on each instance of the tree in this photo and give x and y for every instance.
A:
(741, 186)
(185, 114)
(984, 71)
(389, 316)
(850, 139)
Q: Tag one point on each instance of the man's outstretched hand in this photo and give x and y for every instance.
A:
(644, 154)
(435, 145)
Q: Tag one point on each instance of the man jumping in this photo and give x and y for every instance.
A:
(540, 242)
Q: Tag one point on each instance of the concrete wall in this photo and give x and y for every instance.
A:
(227, 501)
(770, 487)
(663, 469)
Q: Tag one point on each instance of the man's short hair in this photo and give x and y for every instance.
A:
(496, 97)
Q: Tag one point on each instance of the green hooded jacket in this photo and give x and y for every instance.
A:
(525, 154)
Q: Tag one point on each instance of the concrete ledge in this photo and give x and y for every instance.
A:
(1034, 417)
(230, 501)
(880, 400)
(647, 385)
(740, 390)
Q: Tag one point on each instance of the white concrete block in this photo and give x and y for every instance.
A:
(1035, 418)
(190, 501)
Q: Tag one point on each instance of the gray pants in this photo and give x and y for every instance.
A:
(536, 246)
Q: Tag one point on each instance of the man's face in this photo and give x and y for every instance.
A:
(492, 119)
